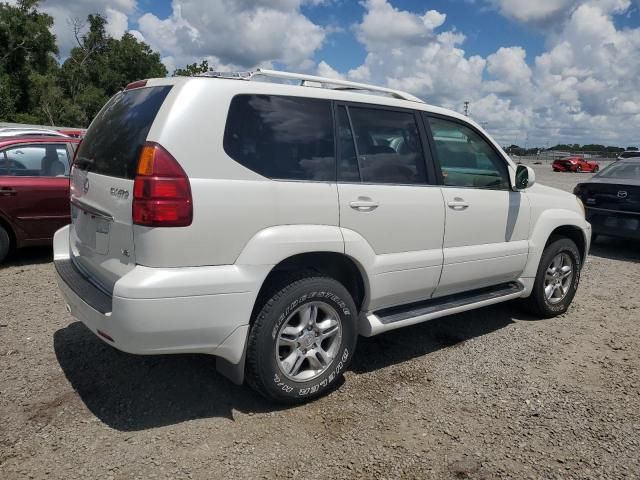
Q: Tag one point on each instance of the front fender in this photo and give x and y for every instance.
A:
(547, 222)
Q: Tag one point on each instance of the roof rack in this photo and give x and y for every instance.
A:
(323, 82)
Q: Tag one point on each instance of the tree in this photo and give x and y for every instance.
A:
(26, 47)
(193, 69)
(100, 66)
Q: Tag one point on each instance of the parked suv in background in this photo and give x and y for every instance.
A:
(270, 224)
(34, 189)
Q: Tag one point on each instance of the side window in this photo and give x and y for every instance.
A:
(46, 160)
(348, 166)
(389, 146)
(281, 137)
(467, 159)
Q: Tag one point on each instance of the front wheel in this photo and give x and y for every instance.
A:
(302, 340)
(556, 280)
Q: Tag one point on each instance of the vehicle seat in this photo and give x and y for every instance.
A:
(51, 165)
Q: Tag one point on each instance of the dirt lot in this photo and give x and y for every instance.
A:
(486, 394)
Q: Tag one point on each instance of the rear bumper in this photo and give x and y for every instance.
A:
(149, 311)
(614, 223)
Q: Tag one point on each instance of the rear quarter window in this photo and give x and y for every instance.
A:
(112, 143)
(279, 137)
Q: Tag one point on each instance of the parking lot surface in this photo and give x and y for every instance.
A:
(492, 393)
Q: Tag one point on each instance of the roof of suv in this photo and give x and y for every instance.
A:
(369, 94)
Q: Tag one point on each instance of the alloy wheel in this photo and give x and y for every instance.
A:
(308, 341)
(558, 278)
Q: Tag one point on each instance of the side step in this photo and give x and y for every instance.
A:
(391, 318)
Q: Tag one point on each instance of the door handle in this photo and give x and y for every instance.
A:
(7, 191)
(364, 205)
(458, 204)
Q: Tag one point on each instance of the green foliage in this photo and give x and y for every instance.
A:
(193, 69)
(574, 147)
(35, 88)
(26, 48)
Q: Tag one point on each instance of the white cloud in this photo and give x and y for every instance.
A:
(64, 12)
(245, 33)
(585, 88)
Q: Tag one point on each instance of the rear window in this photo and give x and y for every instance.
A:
(279, 137)
(112, 144)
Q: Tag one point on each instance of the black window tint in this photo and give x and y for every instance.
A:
(466, 159)
(389, 147)
(282, 137)
(113, 142)
(348, 166)
(43, 160)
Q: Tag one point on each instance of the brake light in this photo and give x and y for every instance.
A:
(136, 84)
(161, 190)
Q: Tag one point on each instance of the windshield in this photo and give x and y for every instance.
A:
(627, 170)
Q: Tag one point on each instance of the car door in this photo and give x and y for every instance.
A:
(34, 192)
(391, 211)
(487, 223)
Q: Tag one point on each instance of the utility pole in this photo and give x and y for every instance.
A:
(466, 108)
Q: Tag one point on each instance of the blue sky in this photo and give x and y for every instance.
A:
(548, 71)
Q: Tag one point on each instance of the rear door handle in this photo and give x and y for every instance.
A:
(458, 205)
(7, 191)
(364, 205)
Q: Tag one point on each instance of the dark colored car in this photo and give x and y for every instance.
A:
(34, 189)
(612, 199)
(574, 164)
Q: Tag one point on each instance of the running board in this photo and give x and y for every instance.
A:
(391, 318)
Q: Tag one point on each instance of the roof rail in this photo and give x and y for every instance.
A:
(323, 82)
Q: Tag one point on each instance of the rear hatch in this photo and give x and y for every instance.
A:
(102, 179)
(611, 196)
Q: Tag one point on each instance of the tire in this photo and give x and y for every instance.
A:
(578, 169)
(594, 237)
(539, 303)
(290, 363)
(595, 169)
(5, 243)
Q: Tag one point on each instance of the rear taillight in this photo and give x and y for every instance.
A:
(161, 191)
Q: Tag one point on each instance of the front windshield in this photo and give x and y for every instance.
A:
(627, 170)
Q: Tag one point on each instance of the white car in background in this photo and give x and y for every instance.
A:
(270, 224)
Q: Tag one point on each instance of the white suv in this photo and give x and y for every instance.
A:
(270, 224)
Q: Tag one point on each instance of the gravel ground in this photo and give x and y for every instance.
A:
(485, 394)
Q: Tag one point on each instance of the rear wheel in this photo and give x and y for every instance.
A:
(556, 280)
(5, 243)
(302, 340)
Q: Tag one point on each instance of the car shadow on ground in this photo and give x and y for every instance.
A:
(616, 249)
(452, 331)
(131, 392)
(28, 256)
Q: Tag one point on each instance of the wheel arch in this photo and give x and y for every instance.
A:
(336, 265)
(571, 232)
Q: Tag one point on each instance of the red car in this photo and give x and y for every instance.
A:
(34, 189)
(574, 164)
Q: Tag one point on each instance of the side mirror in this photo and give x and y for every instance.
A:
(525, 177)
